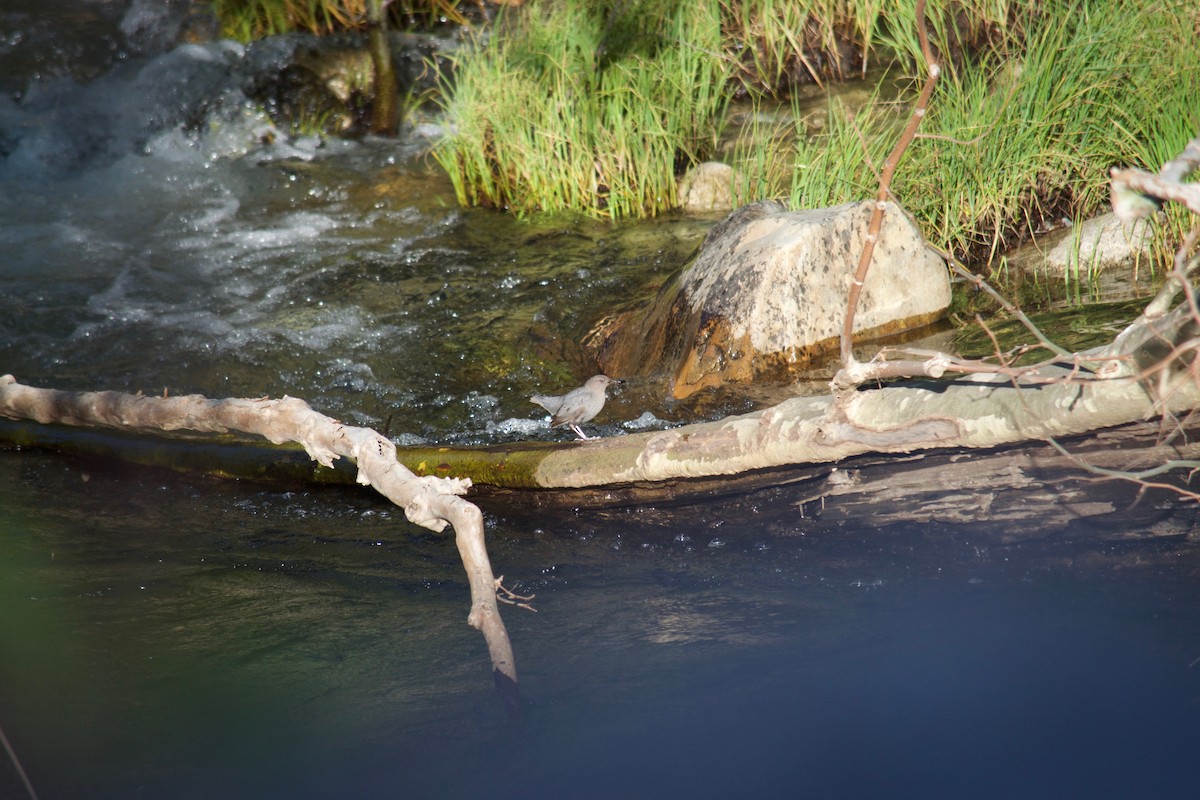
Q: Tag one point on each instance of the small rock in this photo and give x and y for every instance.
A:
(707, 187)
(1095, 245)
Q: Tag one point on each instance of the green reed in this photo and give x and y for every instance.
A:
(586, 106)
(1022, 136)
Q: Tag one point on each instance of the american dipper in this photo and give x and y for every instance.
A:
(578, 405)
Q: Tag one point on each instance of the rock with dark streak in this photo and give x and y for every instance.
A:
(764, 298)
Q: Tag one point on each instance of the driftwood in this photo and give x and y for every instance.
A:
(1116, 385)
(430, 502)
(998, 495)
(1100, 389)
(1003, 486)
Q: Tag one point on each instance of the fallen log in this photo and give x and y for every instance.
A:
(994, 486)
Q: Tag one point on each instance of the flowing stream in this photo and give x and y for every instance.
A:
(153, 241)
(175, 637)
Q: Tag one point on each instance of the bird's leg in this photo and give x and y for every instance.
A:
(580, 433)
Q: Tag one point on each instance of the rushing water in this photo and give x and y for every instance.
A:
(167, 637)
(159, 232)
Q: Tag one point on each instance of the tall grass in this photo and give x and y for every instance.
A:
(598, 106)
(1090, 86)
(1022, 136)
(777, 42)
(837, 164)
(252, 19)
(584, 105)
(773, 35)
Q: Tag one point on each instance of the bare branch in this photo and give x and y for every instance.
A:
(430, 502)
(890, 165)
(961, 271)
(1137, 194)
(1141, 477)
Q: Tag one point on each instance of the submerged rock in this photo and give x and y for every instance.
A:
(1100, 244)
(765, 297)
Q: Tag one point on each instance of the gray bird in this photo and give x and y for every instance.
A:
(578, 405)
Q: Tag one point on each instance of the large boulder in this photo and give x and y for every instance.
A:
(765, 297)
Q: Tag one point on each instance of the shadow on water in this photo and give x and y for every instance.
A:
(167, 637)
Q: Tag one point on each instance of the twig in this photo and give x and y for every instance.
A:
(961, 271)
(12, 755)
(1139, 478)
(937, 364)
(506, 595)
(1000, 357)
(889, 170)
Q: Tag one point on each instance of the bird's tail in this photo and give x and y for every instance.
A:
(545, 402)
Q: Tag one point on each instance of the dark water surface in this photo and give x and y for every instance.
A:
(171, 638)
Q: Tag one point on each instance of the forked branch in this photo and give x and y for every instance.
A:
(430, 502)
